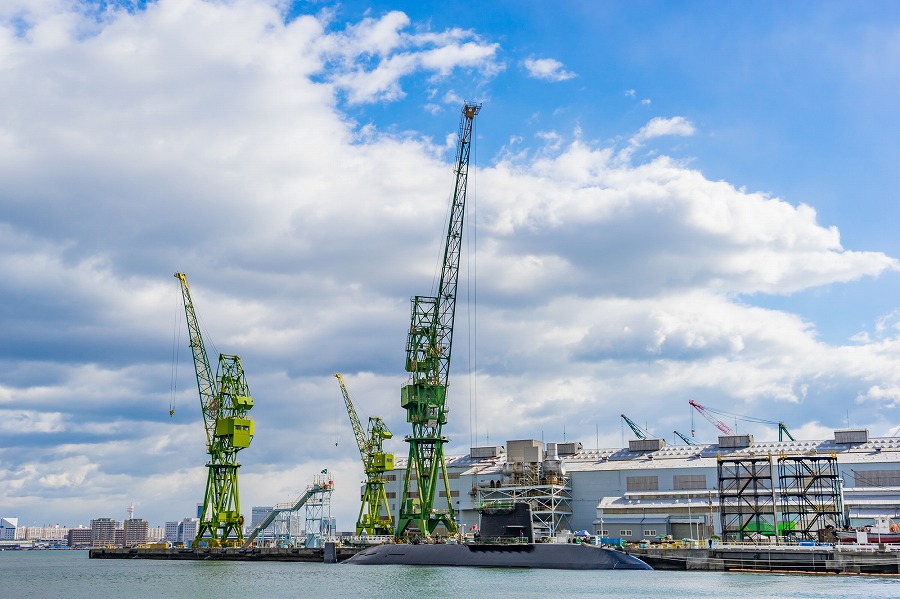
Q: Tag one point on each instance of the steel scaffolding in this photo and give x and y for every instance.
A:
(785, 496)
(746, 497)
(810, 489)
(551, 504)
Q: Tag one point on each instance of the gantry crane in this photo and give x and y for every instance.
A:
(375, 463)
(638, 431)
(224, 402)
(428, 361)
(782, 428)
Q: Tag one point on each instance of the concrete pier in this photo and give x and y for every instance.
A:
(273, 554)
(841, 559)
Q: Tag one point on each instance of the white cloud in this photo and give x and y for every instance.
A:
(212, 138)
(547, 69)
(659, 127)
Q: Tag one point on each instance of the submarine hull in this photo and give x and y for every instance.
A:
(526, 555)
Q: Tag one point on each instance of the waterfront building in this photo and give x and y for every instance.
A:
(79, 537)
(103, 532)
(54, 534)
(171, 532)
(134, 532)
(257, 514)
(156, 534)
(8, 528)
(187, 530)
(653, 489)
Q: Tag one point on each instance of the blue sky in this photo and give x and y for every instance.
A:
(670, 201)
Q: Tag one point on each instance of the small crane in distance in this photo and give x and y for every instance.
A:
(638, 431)
(375, 463)
(706, 411)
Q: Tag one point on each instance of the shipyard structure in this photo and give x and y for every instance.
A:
(736, 489)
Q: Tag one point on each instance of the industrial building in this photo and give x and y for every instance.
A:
(652, 489)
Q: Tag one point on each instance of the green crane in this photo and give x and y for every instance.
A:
(685, 438)
(428, 361)
(224, 402)
(638, 431)
(375, 463)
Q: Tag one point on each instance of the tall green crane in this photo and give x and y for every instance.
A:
(428, 361)
(224, 402)
(375, 463)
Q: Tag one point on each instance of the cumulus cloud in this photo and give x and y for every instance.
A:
(548, 69)
(221, 140)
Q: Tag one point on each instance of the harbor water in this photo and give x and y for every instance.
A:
(70, 574)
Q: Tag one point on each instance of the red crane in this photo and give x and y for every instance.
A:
(716, 423)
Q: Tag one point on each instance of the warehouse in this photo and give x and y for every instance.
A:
(652, 489)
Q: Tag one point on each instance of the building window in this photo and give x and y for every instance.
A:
(603, 533)
(650, 532)
(390, 477)
(391, 495)
(625, 532)
(686, 482)
(642, 483)
(452, 493)
(453, 475)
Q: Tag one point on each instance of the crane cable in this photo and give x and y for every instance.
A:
(176, 343)
(472, 298)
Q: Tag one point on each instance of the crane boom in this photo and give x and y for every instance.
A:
(716, 423)
(685, 438)
(638, 431)
(782, 428)
(354, 419)
(205, 381)
(428, 350)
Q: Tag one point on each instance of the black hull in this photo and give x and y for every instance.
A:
(561, 556)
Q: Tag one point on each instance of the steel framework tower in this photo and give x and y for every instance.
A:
(224, 402)
(375, 463)
(428, 361)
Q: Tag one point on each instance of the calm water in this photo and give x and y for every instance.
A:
(71, 575)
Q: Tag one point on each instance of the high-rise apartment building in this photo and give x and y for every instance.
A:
(187, 530)
(171, 532)
(103, 532)
(134, 532)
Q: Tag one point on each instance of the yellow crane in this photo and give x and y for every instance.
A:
(224, 401)
(373, 520)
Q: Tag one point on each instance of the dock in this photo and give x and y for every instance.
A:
(330, 553)
(821, 559)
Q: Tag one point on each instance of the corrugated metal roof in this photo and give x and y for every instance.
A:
(875, 451)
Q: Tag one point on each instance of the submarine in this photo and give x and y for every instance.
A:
(560, 556)
(513, 534)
